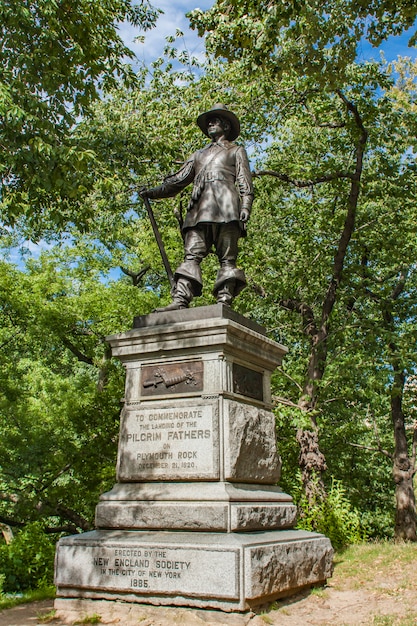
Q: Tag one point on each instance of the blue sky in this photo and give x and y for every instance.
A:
(172, 19)
(392, 48)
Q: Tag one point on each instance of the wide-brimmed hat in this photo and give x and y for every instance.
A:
(222, 111)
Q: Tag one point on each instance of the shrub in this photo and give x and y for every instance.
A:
(334, 517)
(28, 561)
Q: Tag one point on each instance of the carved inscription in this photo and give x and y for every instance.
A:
(172, 378)
(172, 441)
(143, 569)
(247, 382)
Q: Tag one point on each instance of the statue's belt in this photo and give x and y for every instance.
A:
(213, 175)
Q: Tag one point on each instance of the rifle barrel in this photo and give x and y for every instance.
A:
(159, 241)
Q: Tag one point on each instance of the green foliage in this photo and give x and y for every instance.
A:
(45, 618)
(60, 391)
(308, 37)
(55, 60)
(27, 562)
(334, 517)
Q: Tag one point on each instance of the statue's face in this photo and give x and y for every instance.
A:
(217, 127)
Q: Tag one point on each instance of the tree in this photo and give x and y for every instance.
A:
(327, 220)
(60, 392)
(56, 58)
(308, 37)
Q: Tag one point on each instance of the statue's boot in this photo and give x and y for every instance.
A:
(226, 293)
(174, 306)
(229, 283)
(182, 294)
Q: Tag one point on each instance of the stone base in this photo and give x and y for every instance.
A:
(200, 507)
(227, 571)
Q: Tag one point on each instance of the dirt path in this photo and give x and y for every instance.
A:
(373, 592)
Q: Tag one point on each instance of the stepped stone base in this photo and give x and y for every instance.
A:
(196, 518)
(216, 507)
(228, 571)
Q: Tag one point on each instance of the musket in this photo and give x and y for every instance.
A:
(159, 241)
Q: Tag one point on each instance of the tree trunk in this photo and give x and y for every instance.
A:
(312, 464)
(311, 459)
(403, 468)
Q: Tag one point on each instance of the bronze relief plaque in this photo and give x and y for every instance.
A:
(247, 382)
(172, 378)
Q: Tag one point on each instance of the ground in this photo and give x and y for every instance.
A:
(373, 584)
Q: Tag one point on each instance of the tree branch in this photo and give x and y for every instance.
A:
(72, 529)
(72, 348)
(379, 449)
(136, 276)
(6, 532)
(352, 204)
(11, 522)
(281, 371)
(54, 478)
(399, 288)
(71, 515)
(307, 313)
(303, 183)
(285, 402)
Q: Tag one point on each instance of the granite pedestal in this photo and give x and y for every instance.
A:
(196, 518)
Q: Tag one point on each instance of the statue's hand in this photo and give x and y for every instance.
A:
(244, 215)
(143, 192)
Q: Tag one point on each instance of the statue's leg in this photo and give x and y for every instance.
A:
(188, 280)
(230, 280)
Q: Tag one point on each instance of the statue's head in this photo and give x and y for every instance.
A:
(217, 125)
(220, 113)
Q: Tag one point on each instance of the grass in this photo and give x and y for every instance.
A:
(7, 602)
(320, 592)
(90, 619)
(381, 569)
(45, 618)
(394, 620)
(366, 563)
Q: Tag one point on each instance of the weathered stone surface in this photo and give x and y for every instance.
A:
(193, 492)
(195, 515)
(250, 444)
(211, 506)
(71, 610)
(189, 336)
(271, 568)
(261, 516)
(230, 571)
(148, 564)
